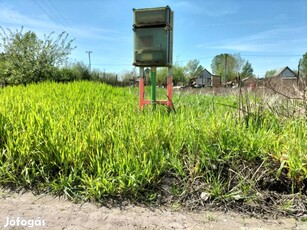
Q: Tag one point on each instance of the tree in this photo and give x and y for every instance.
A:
(179, 76)
(193, 68)
(270, 73)
(75, 72)
(247, 70)
(2, 75)
(227, 65)
(30, 59)
(81, 71)
(238, 63)
(303, 65)
(129, 77)
(109, 78)
(178, 73)
(161, 76)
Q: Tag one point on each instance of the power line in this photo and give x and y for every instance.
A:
(58, 12)
(270, 55)
(50, 13)
(42, 9)
(50, 10)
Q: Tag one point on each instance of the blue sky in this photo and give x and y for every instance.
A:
(268, 33)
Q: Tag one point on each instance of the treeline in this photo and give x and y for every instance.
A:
(25, 58)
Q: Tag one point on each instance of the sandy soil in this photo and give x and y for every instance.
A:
(47, 212)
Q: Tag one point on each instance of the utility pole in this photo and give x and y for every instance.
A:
(225, 67)
(298, 71)
(89, 59)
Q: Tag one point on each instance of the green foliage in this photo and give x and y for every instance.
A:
(26, 58)
(161, 76)
(129, 76)
(239, 62)
(178, 73)
(303, 64)
(270, 73)
(75, 72)
(247, 70)
(227, 65)
(179, 77)
(109, 78)
(2, 74)
(193, 68)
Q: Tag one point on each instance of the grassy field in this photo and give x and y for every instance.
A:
(91, 142)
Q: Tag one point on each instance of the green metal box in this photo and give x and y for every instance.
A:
(152, 46)
(152, 17)
(153, 36)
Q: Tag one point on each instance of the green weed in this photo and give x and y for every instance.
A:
(90, 141)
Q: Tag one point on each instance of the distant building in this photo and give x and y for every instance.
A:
(285, 73)
(249, 82)
(283, 77)
(205, 78)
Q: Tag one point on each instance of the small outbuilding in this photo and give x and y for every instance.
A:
(285, 73)
(205, 78)
(249, 82)
(284, 77)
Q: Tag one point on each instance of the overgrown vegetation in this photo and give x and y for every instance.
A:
(26, 58)
(90, 142)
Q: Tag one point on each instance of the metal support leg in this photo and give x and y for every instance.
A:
(170, 88)
(153, 87)
(141, 88)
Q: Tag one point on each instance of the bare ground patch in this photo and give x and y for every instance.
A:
(59, 213)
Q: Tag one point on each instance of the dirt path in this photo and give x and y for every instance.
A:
(47, 212)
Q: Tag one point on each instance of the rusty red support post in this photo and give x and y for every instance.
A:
(170, 88)
(141, 88)
(153, 101)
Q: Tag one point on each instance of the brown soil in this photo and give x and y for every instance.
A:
(57, 213)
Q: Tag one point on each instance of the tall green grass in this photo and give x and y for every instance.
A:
(90, 141)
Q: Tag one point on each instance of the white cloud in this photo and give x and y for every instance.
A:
(10, 18)
(41, 25)
(278, 40)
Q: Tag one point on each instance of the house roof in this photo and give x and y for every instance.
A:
(249, 78)
(202, 72)
(205, 70)
(283, 69)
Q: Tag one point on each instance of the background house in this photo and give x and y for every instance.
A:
(285, 73)
(205, 78)
(249, 82)
(283, 77)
